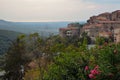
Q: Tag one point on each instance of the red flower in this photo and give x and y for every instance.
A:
(91, 76)
(86, 68)
(96, 67)
(94, 72)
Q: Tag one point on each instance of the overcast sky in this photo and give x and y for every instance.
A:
(54, 10)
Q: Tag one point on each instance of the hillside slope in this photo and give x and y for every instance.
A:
(5, 39)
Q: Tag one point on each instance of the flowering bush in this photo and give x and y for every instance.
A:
(99, 63)
(92, 73)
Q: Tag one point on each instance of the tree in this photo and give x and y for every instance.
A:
(83, 36)
(16, 59)
(67, 66)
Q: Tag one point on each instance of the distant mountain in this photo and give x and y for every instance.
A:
(43, 28)
(5, 25)
(10, 30)
(5, 39)
(4, 22)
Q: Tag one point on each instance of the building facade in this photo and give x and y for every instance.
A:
(102, 25)
(117, 35)
(73, 29)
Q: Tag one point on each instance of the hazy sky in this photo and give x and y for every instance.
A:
(54, 10)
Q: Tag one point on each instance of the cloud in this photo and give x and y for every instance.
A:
(104, 1)
(54, 10)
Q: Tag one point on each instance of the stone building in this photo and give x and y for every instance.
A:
(73, 29)
(117, 35)
(102, 25)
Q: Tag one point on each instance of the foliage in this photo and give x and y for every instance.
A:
(16, 58)
(67, 66)
(59, 58)
(32, 74)
(102, 62)
(83, 36)
(109, 62)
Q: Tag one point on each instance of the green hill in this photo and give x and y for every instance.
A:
(5, 39)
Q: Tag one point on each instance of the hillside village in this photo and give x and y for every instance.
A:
(59, 39)
(105, 25)
(33, 57)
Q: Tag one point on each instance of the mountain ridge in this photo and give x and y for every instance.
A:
(43, 28)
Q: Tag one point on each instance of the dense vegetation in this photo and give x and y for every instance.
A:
(56, 58)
